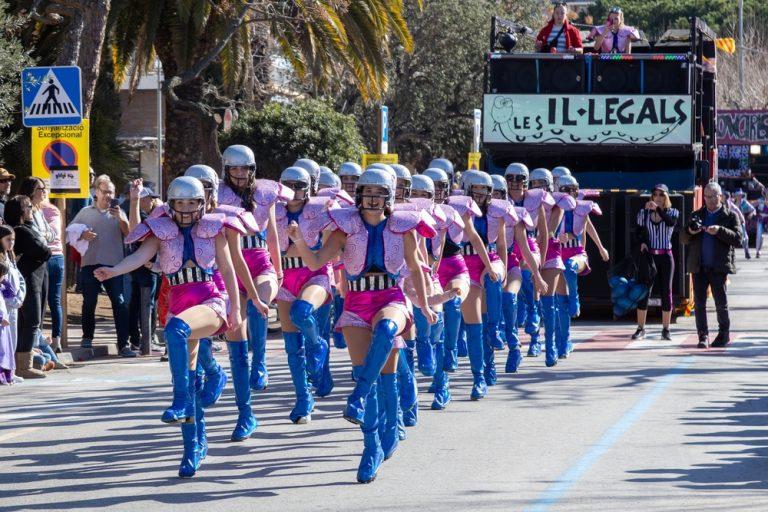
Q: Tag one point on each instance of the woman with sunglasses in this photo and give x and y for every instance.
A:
(375, 244)
(190, 245)
(656, 223)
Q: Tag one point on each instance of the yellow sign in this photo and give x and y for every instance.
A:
(473, 161)
(386, 158)
(60, 156)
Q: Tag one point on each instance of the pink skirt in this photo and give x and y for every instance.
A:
(296, 279)
(451, 268)
(554, 255)
(533, 245)
(361, 307)
(477, 268)
(185, 296)
(570, 252)
(259, 264)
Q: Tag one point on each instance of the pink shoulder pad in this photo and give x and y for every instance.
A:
(268, 192)
(502, 208)
(587, 207)
(347, 220)
(588, 192)
(564, 201)
(235, 224)
(161, 211)
(241, 214)
(210, 225)
(464, 205)
(315, 217)
(338, 195)
(404, 220)
(138, 234)
(228, 197)
(536, 197)
(163, 228)
(524, 217)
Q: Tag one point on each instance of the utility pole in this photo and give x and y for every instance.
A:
(741, 48)
(159, 184)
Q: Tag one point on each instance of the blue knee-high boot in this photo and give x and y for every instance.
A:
(564, 345)
(509, 307)
(325, 386)
(338, 308)
(522, 306)
(440, 381)
(238, 360)
(182, 408)
(452, 312)
(323, 319)
(409, 391)
(572, 279)
(373, 454)
(257, 341)
(215, 376)
(382, 341)
(190, 460)
(475, 350)
(493, 313)
(202, 439)
(425, 350)
(489, 358)
(303, 317)
(532, 318)
(297, 364)
(549, 313)
(389, 404)
(461, 343)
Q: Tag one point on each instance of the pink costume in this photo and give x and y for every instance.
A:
(266, 194)
(515, 255)
(576, 246)
(452, 265)
(340, 196)
(554, 251)
(499, 212)
(297, 276)
(190, 286)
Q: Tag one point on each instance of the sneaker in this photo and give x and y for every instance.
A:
(721, 340)
(639, 333)
(17, 380)
(164, 357)
(127, 352)
(665, 334)
(135, 348)
(746, 255)
(703, 341)
(86, 343)
(757, 255)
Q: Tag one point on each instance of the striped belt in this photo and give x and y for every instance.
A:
(372, 283)
(290, 262)
(469, 249)
(253, 242)
(189, 275)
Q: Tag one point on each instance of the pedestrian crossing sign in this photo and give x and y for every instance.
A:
(51, 96)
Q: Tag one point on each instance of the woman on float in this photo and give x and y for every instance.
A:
(552, 266)
(517, 236)
(303, 293)
(189, 244)
(241, 189)
(575, 223)
(375, 244)
(517, 176)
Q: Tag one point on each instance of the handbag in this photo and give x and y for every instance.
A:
(546, 47)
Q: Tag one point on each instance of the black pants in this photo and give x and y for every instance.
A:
(31, 311)
(716, 280)
(665, 267)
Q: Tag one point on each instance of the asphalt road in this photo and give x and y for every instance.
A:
(647, 425)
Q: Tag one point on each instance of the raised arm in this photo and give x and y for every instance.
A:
(142, 255)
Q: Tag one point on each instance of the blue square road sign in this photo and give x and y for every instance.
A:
(51, 96)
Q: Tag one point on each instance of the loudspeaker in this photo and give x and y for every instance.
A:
(562, 76)
(666, 77)
(616, 77)
(512, 76)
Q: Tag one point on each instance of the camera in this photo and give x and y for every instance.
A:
(695, 223)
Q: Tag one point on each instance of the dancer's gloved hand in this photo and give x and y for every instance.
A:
(103, 273)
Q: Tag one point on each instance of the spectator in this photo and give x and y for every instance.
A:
(6, 180)
(32, 253)
(748, 211)
(559, 35)
(762, 224)
(615, 36)
(754, 188)
(7, 362)
(711, 235)
(13, 288)
(657, 221)
(45, 357)
(105, 224)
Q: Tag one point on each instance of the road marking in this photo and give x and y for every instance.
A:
(563, 483)
(17, 433)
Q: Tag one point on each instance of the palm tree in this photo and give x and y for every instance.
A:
(205, 50)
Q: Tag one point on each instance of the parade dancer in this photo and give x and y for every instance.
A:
(575, 223)
(551, 255)
(517, 177)
(189, 244)
(303, 292)
(241, 189)
(517, 236)
(375, 244)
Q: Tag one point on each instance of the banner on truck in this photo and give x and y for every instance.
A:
(587, 119)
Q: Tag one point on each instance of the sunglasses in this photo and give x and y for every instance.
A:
(516, 178)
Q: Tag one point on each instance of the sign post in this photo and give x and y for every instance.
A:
(382, 144)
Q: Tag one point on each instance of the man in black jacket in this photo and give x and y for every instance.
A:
(711, 235)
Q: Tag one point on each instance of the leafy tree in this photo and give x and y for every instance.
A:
(281, 133)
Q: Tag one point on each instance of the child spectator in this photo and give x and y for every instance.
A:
(13, 287)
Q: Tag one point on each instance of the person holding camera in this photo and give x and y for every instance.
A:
(559, 35)
(712, 234)
(103, 226)
(615, 36)
(657, 221)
